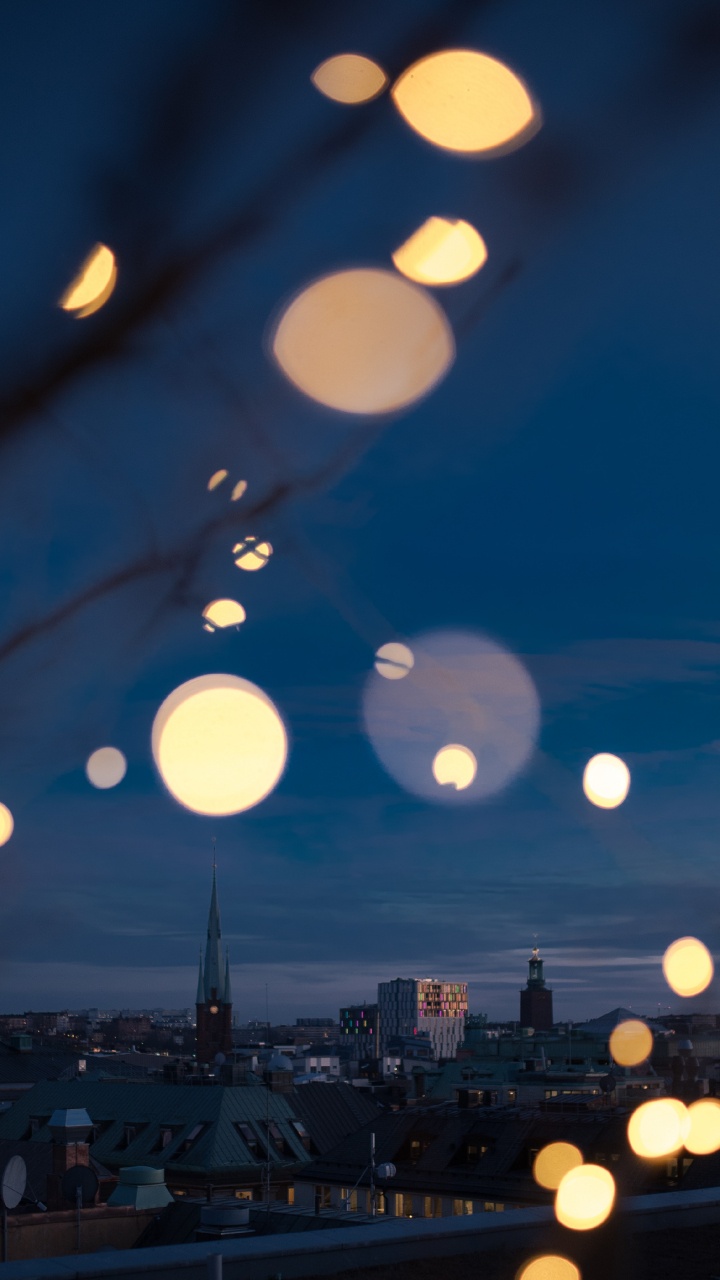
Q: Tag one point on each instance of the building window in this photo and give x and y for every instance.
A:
(493, 1206)
(194, 1136)
(349, 1199)
(251, 1140)
(241, 1194)
(403, 1205)
(432, 1206)
(165, 1136)
(303, 1134)
(462, 1208)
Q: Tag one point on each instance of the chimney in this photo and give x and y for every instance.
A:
(70, 1128)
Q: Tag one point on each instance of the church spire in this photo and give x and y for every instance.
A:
(228, 995)
(214, 983)
(200, 997)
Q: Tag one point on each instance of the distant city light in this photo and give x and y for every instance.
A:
(658, 1128)
(394, 660)
(219, 744)
(631, 1043)
(106, 767)
(454, 766)
(441, 251)
(238, 491)
(217, 478)
(364, 341)
(688, 966)
(553, 1162)
(7, 824)
(93, 284)
(252, 555)
(349, 78)
(585, 1197)
(466, 101)
(703, 1135)
(549, 1266)
(606, 781)
(467, 693)
(223, 613)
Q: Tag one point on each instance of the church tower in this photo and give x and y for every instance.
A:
(214, 997)
(536, 1003)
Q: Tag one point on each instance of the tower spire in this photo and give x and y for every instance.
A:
(200, 987)
(214, 981)
(228, 995)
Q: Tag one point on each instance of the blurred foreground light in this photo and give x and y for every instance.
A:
(454, 766)
(219, 744)
(549, 1266)
(106, 767)
(238, 491)
(553, 1162)
(364, 341)
(223, 613)
(251, 554)
(441, 251)
(394, 660)
(216, 478)
(631, 1043)
(7, 824)
(658, 1128)
(606, 781)
(585, 1197)
(93, 284)
(688, 966)
(349, 78)
(466, 101)
(465, 691)
(703, 1135)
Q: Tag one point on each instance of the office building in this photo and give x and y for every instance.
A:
(359, 1031)
(425, 1007)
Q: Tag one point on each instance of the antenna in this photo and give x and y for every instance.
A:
(80, 1186)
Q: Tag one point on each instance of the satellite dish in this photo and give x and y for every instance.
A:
(14, 1179)
(80, 1179)
(386, 1171)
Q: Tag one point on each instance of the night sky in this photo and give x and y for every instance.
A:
(557, 492)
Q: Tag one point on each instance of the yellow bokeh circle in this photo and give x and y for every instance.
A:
(606, 781)
(349, 78)
(106, 767)
(631, 1043)
(549, 1266)
(93, 284)
(703, 1134)
(585, 1197)
(442, 251)
(364, 341)
(454, 766)
(553, 1162)
(7, 824)
(219, 744)
(688, 966)
(658, 1128)
(466, 101)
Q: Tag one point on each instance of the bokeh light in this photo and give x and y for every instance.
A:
(394, 660)
(585, 1197)
(606, 781)
(703, 1134)
(631, 1043)
(238, 490)
(688, 966)
(223, 613)
(93, 284)
(364, 341)
(553, 1162)
(217, 478)
(106, 767)
(466, 101)
(441, 251)
(251, 554)
(349, 78)
(549, 1266)
(658, 1128)
(7, 824)
(219, 744)
(465, 689)
(454, 766)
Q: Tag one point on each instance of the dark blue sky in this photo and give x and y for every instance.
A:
(557, 492)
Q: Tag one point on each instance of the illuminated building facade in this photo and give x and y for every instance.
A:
(359, 1030)
(536, 1002)
(213, 1002)
(426, 1007)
